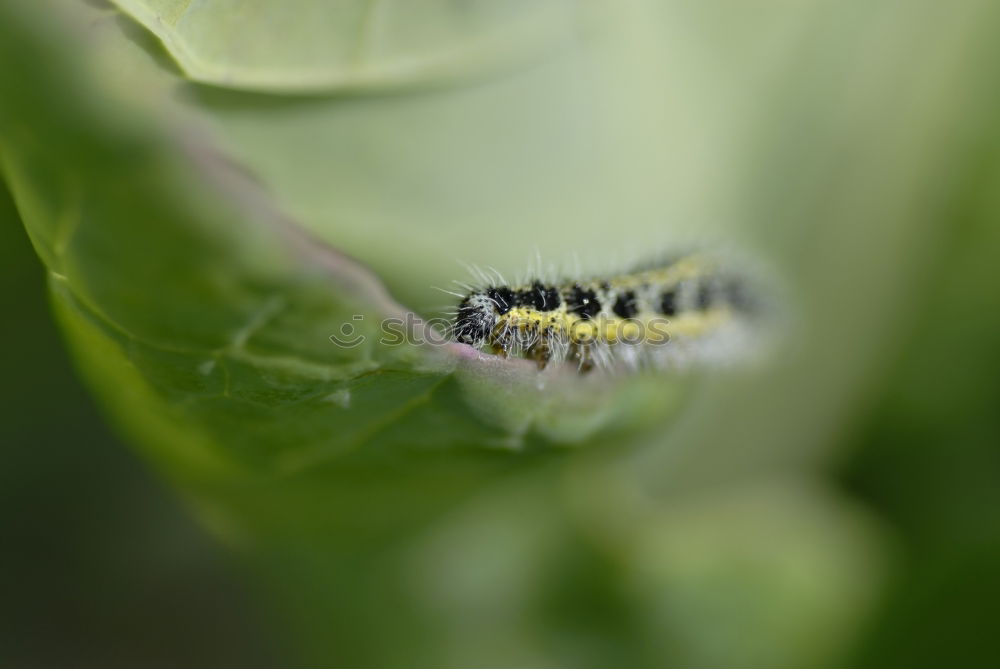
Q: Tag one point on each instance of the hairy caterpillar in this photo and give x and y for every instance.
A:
(695, 307)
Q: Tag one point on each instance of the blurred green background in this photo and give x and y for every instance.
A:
(102, 565)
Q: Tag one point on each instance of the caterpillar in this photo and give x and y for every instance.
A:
(694, 307)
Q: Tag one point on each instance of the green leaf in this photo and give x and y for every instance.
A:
(310, 45)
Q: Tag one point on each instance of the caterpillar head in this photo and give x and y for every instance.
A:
(479, 313)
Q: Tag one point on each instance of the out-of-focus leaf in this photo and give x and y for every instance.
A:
(324, 45)
(770, 574)
(758, 576)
